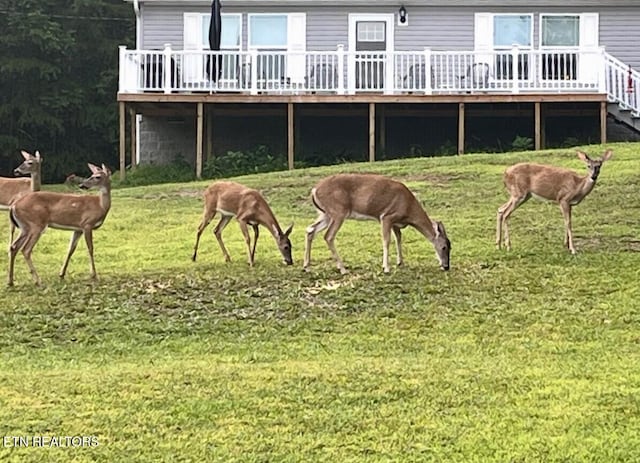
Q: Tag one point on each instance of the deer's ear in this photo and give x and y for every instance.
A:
(583, 156)
(93, 168)
(25, 155)
(38, 155)
(106, 170)
(607, 155)
(437, 228)
(288, 230)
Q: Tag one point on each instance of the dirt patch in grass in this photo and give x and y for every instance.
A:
(437, 179)
(609, 243)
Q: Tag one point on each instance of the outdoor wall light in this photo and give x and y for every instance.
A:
(402, 16)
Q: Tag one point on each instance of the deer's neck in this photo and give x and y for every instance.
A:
(269, 221)
(35, 181)
(423, 223)
(586, 186)
(105, 198)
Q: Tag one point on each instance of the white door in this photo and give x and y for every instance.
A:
(370, 63)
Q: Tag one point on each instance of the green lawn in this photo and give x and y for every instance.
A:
(524, 356)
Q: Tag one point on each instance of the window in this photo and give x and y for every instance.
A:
(281, 39)
(560, 31)
(510, 30)
(230, 39)
(370, 31)
(196, 68)
(268, 31)
(231, 28)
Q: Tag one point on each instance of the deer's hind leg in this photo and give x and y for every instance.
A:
(320, 224)
(27, 248)
(206, 220)
(504, 212)
(224, 221)
(330, 236)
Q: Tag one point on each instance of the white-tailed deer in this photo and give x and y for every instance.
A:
(12, 188)
(82, 214)
(249, 207)
(556, 184)
(367, 196)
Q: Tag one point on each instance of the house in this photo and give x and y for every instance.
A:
(375, 77)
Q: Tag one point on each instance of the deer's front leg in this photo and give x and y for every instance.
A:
(256, 233)
(398, 234)
(247, 240)
(568, 235)
(72, 247)
(88, 238)
(386, 235)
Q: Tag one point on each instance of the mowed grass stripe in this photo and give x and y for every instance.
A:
(526, 355)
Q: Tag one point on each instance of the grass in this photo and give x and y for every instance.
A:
(522, 356)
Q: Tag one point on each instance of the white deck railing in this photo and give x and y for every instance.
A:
(515, 70)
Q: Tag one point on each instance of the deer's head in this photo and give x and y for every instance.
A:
(100, 177)
(30, 165)
(284, 244)
(442, 245)
(594, 165)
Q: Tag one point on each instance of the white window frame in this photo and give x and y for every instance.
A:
(389, 19)
(588, 40)
(542, 47)
(266, 47)
(295, 46)
(194, 69)
(206, 39)
(483, 44)
(508, 47)
(543, 15)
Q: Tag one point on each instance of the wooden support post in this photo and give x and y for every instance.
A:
(460, 128)
(134, 134)
(543, 127)
(372, 132)
(537, 126)
(199, 133)
(382, 131)
(297, 134)
(123, 148)
(209, 124)
(603, 122)
(290, 135)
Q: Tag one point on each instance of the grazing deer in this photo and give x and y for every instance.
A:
(556, 184)
(12, 188)
(82, 214)
(249, 208)
(368, 196)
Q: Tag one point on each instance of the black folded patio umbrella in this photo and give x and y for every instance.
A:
(214, 67)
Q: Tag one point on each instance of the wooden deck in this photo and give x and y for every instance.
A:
(377, 105)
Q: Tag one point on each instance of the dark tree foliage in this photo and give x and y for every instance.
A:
(58, 81)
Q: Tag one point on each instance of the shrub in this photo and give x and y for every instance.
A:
(233, 163)
(521, 143)
(149, 174)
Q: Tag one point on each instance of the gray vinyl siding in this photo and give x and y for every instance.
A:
(436, 27)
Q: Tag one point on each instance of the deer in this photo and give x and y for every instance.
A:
(372, 197)
(82, 214)
(249, 207)
(12, 188)
(556, 184)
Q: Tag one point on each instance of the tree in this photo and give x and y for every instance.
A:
(58, 81)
